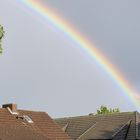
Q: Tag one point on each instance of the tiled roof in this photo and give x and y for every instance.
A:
(45, 124)
(116, 126)
(17, 128)
(13, 129)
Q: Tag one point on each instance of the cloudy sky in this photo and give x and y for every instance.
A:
(41, 69)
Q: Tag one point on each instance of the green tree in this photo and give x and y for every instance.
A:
(1, 36)
(105, 110)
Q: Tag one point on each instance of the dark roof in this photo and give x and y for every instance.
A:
(116, 126)
(42, 128)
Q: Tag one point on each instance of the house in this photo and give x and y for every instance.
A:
(115, 126)
(28, 125)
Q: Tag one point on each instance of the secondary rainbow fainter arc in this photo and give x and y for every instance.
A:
(90, 49)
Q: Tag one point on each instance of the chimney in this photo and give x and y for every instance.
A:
(12, 106)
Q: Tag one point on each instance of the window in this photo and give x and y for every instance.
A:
(27, 118)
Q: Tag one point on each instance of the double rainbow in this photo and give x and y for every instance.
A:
(69, 31)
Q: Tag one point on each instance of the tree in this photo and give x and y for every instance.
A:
(105, 110)
(1, 36)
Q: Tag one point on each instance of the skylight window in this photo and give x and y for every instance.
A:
(25, 118)
(28, 119)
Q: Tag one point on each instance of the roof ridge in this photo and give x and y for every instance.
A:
(128, 122)
(31, 111)
(96, 115)
(65, 127)
(86, 131)
(128, 130)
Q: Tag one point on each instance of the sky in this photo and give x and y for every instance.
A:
(43, 70)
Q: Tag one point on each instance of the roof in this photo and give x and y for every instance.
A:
(44, 123)
(14, 127)
(116, 126)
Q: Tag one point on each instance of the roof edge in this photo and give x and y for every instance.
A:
(121, 128)
(86, 131)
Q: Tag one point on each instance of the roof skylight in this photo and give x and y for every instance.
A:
(28, 119)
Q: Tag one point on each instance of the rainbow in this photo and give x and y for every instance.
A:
(68, 30)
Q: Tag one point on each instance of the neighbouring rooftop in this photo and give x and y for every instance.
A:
(116, 126)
